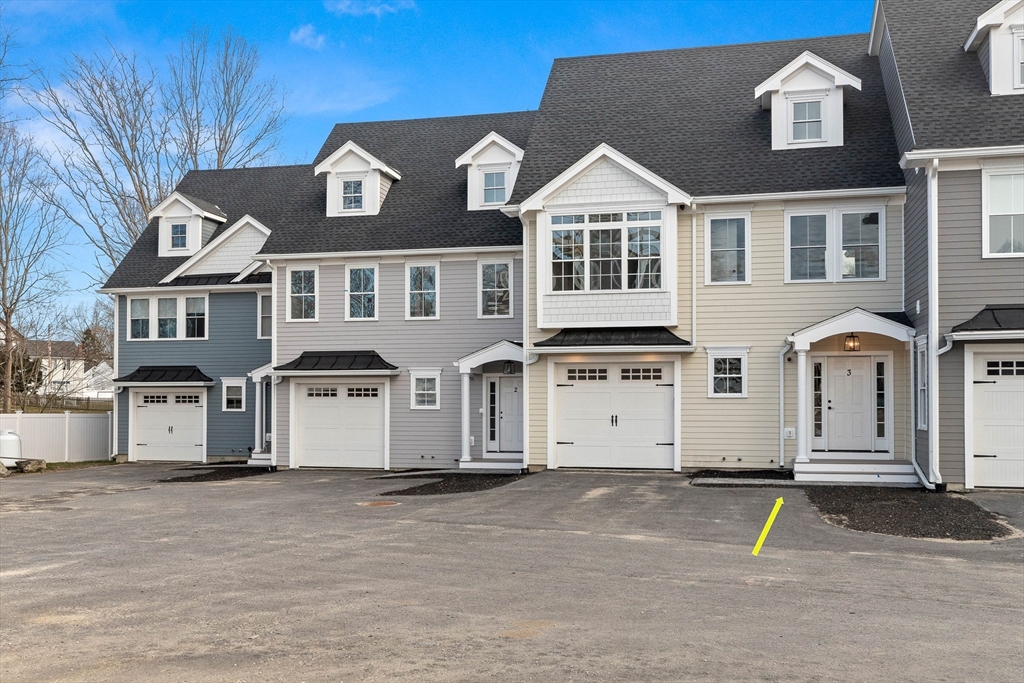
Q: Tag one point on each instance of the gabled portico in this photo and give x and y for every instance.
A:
(500, 367)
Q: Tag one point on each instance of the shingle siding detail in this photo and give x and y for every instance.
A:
(606, 182)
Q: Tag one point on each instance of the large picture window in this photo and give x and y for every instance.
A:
(1003, 220)
(835, 245)
(362, 293)
(302, 295)
(606, 251)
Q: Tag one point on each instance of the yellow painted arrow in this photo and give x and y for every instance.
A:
(767, 526)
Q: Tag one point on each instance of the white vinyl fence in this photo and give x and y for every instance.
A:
(62, 437)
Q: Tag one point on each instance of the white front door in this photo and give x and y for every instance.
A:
(999, 420)
(848, 404)
(510, 414)
(614, 415)
(168, 425)
(340, 424)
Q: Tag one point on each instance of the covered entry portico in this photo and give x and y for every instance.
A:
(500, 366)
(853, 399)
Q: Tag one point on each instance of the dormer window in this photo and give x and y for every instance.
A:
(494, 187)
(186, 224)
(807, 121)
(357, 182)
(352, 195)
(493, 166)
(179, 236)
(998, 40)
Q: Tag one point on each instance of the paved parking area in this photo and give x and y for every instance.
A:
(106, 575)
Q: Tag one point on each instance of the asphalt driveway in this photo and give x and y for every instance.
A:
(108, 575)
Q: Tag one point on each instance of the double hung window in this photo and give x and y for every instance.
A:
(922, 384)
(808, 247)
(422, 281)
(362, 293)
(302, 295)
(807, 121)
(351, 195)
(426, 388)
(835, 245)
(139, 318)
(496, 289)
(233, 394)
(728, 251)
(167, 318)
(179, 236)
(606, 251)
(861, 249)
(195, 317)
(494, 187)
(1003, 220)
(266, 318)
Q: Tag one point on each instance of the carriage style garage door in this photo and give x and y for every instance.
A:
(999, 420)
(340, 424)
(614, 415)
(169, 425)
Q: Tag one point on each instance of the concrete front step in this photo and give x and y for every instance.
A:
(492, 464)
(890, 472)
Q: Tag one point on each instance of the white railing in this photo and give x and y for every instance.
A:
(62, 437)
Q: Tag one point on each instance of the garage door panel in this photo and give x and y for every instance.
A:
(999, 420)
(168, 426)
(340, 425)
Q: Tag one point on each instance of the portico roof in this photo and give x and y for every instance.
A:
(853, 320)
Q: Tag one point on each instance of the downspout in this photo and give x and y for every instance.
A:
(933, 322)
(782, 403)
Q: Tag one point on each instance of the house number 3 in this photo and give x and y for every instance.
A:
(849, 372)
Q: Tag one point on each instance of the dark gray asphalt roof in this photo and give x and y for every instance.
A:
(946, 90)
(338, 360)
(614, 336)
(896, 316)
(204, 205)
(426, 209)
(166, 373)
(992, 318)
(690, 117)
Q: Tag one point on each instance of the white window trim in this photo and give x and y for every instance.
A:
(316, 294)
(1018, 55)
(349, 175)
(437, 290)
(259, 315)
(986, 179)
(376, 290)
(792, 98)
(708, 217)
(424, 373)
(921, 367)
(834, 243)
(494, 168)
(154, 317)
(226, 382)
(171, 222)
(713, 352)
(480, 288)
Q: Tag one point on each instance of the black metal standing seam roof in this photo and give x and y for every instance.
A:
(312, 361)
(614, 336)
(167, 374)
(690, 117)
(995, 318)
(945, 87)
(222, 279)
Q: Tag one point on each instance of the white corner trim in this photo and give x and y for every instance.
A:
(376, 164)
(489, 139)
(807, 58)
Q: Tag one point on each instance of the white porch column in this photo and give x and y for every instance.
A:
(258, 444)
(465, 417)
(802, 452)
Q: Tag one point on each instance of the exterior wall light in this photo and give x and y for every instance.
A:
(852, 343)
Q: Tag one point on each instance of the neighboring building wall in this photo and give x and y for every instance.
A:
(232, 350)
(419, 438)
(894, 95)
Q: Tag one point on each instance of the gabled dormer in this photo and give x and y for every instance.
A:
(998, 38)
(186, 223)
(806, 102)
(493, 164)
(357, 181)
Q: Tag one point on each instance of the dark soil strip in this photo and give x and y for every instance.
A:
(777, 473)
(914, 513)
(220, 474)
(455, 483)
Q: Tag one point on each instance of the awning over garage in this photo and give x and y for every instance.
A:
(165, 375)
(615, 338)
(993, 322)
(337, 363)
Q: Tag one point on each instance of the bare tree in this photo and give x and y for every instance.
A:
(30, 236)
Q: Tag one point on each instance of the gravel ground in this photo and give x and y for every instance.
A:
(455, 483)
(912, 513)
(220, 474)
(777, 473)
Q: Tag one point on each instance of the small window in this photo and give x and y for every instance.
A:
(995, 368)
(363, 392)
(605, 259)
(567, 220)
(351, 195)
(422, 291)
(817, 395)
(496, 290)
(727, 372)
(167, 318)
(234, 395)
(807, 121)
(266, 321)
(641, 374)
(727, 251)
(808, 237)
(604, 218)
(195, 317)
(322, 392)
(922, 385)
(179, 236)
(425, 387)
(587, 374)
(302, 295)
(139, 318)
(492, 411)
(362, 293)
(880, 399)
(494, 187)
(1004, 217)
(154, 399)
(567, 264)
(861, 248)
(186, 399)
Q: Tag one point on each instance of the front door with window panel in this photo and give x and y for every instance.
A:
(849, 407)
(168, 425)
(510, 414)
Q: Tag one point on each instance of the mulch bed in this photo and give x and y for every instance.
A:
(446, 484)
(777, 474)
(913, 513)
(220, 474)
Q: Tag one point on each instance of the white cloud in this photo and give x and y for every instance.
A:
(358, 8)
(306, 36)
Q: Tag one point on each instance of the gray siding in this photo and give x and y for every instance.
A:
(915, 246)
(983, 57)
(232, 350)
(951, 415)
(419, 438)
(894, 95)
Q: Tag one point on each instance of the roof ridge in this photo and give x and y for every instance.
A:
(434, 118)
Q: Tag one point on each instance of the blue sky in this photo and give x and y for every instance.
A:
(361, 60)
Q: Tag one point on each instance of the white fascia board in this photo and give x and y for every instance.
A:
(159, 209)
(985, 335)
(808, 58)
(603, 151)
(987, 21)
(351, 147)
(489, 139)
(510, 211)
(333, 373)
(548, 350)
(922, 157)
(261, 372)
(214, 245)
(513, 249)
(877, 29)
(854, 320)
(807, 194)
(249, 270)
(205, 289)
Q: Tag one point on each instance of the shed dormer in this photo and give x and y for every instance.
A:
(186, 224)
(998, 38)
(493, 166)
(357, 181)
(806, 101)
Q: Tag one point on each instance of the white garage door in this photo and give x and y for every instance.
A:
(999, 420)
(614, 415)
(169, 425)
(340, 425)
